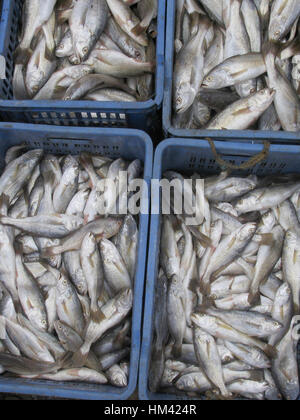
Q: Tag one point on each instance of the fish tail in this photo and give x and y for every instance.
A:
(270, 351)
(139, 29)
(50, 252)
(96, 315)
(153, 66)
(79, 359)
(22, 56)
(270, 51)
(177, 350)
(65, 361)
(253, 298)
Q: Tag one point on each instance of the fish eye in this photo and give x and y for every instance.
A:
(61, 46)
(85, 50)
(68, 98)
(214, 297)
(253, 90)
(65, 283)
(44, 322)
(277, 32)
(179, 101)
(59, 327)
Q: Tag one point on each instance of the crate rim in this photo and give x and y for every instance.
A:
(82, 106)
(171, 131)
(63, 389)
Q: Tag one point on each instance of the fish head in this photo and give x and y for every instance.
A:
(291, 239)
(83, 46)
(120, 379)
(74, 60)
(292, 390)
(204, 321)
(63, 285)
(283, 294)
(262, 99)
(268, 219)
(186, 382)
(73, 223)
(42, 324)
(81, 282)
(184, 98)
(62, 331)
(34, 81)
(247, 231)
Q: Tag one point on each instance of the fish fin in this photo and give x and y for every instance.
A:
(49, 55)
(49, 252)
(138, 29)
(62, 16)
(79, 359)
(22, 56)
(254, 298)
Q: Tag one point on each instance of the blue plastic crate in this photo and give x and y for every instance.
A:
(189, 156)
(233, 135)
(115, 143)
(140, 115)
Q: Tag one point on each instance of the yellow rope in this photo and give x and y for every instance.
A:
(254, 160)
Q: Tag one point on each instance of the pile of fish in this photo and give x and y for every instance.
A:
(97, 50)
(67, 268)
(228, 291)
(237, 65)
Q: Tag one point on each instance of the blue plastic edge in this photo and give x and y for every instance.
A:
(53, 389)
(154, 248)
(170, 131)
(61, 106)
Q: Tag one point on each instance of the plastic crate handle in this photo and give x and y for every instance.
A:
(254, 160)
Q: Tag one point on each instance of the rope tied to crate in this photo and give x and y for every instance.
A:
(254, 160)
